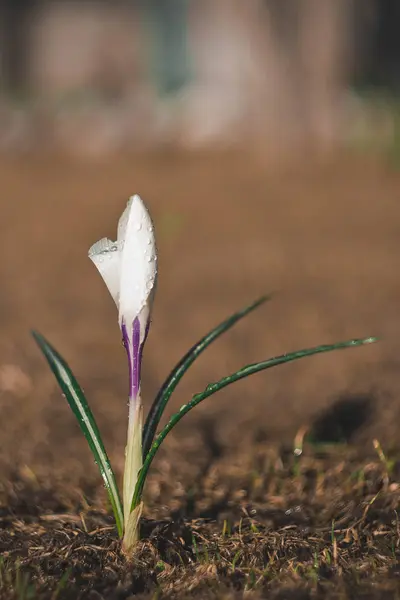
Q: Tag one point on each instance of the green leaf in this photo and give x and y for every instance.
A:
(212, 388)
(78, 403)
(169, 385)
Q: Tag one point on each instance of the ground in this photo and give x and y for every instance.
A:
(229, 508)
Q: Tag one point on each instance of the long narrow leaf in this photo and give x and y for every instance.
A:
(215, 387)
(78, 403)
(169, 385)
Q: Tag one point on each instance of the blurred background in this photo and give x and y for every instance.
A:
(129, 73)
(264, 136)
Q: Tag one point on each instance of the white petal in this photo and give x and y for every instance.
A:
(137, 247)
(106, 257)
(122, 224)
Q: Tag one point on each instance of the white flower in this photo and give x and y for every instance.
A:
(129, 270)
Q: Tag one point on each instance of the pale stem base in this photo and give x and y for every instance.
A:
(133, 464)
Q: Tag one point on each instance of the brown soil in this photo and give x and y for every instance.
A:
(229, 509)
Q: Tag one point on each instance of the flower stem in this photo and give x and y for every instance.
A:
(133, 464)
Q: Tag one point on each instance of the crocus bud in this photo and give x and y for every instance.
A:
(129, 270)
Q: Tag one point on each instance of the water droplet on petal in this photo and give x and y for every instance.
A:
(138, 227)
(108, 249)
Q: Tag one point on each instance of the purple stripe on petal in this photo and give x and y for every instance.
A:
(125, 341)
(134, 350)
(136, 358)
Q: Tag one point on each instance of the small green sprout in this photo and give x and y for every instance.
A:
(129, 269)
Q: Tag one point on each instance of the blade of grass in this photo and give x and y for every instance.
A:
(212, 388)
(78, 403)
(169, 385)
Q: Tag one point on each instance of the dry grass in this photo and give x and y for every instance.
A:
(263, 522)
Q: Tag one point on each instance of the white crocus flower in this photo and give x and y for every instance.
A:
(129, 270)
